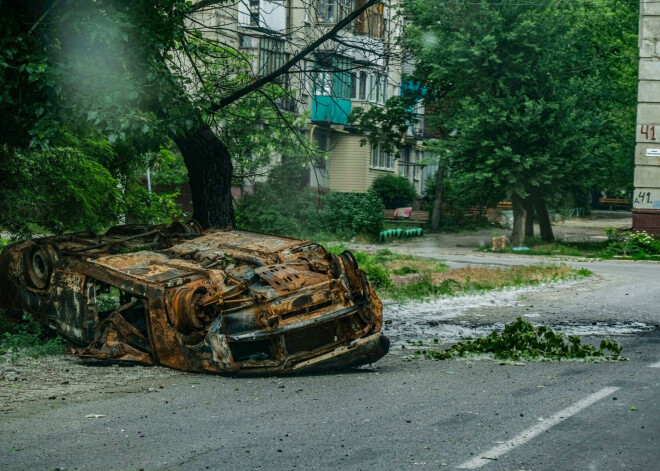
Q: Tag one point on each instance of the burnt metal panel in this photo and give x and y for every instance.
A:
(222, 301)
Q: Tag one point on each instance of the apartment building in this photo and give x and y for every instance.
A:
(362, 67)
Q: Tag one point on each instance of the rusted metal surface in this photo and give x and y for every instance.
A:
(214, 301)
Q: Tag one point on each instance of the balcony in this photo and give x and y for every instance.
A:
(330, 109)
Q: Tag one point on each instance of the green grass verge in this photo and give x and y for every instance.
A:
(577, 249)
(406, 277)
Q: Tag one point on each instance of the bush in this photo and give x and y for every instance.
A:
(284, 205)
(394, 191)
(353, 213)
(27, 338)
(639, 244)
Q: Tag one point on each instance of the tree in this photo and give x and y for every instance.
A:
(519, 93)
(133, 75)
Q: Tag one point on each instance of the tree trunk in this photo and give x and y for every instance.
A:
(544, 220)
(209, 172)
(437, 204)
(518, 220)
(529, 217)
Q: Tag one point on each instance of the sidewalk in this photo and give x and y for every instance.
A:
(589, 229)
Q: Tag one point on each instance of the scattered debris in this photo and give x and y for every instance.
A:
(521, 340)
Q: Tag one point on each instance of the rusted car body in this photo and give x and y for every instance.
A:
(224, 301)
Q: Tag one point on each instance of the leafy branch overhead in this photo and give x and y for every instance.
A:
(386, 125)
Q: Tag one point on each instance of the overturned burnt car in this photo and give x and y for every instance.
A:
(224, 301)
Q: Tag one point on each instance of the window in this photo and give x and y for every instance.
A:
(370, 21)
(271, 55)
(334, 77)
(331, 11)
(323, 85)
(262, 14)
(381, 159)
(359, 86)
(377, 88)
(249, 42)
(369, 86)
(254, 12)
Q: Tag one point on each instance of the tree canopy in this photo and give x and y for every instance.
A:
(533, 100)
(111, 83)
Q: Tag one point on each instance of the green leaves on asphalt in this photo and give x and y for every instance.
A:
(521, 340)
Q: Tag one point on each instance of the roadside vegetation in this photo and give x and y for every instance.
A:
(619, 244)
(19, 340)
(521, 340)
(406, 277)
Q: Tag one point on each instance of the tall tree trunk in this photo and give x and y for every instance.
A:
(437, 204)
(544, 219)
(529, 217)
(209, 172)
(518, 220)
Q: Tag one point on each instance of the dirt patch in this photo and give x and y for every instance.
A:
(62, 376)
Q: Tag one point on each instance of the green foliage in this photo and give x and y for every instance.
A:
(386, 124)
(81, 106)
(284, 205)
(543, 118)
(395, 191)
(27, 338)
(58, 189)
(521, 340)
(353, 213)
(405, 270)
(281, 205)
(639, 245)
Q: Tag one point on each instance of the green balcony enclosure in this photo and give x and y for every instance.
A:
(332, 90)
(330, 109)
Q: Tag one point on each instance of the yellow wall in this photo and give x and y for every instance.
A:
(348, 163)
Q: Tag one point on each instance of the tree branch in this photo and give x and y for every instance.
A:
(238, 94)
(205, 3)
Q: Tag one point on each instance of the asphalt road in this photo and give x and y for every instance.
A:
(400, 414)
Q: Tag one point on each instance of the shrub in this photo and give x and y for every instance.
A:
(353, 213)
(394, 191)
(27, 338)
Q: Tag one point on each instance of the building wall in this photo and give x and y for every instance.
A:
(348, 163)
(297, 22)
(646, 199)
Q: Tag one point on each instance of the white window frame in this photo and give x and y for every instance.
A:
(376, 88)
(332, 11)
(381, 160)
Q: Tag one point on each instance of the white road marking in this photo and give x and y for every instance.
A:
(655, 365)
(535, 430)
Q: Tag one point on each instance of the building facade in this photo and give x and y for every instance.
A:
(646, 199)
(362, 67)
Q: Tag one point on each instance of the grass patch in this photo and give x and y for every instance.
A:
(381, 266)
(472, 279)
(521, 340)
(27, 339)
(406, 277)
(538, 247)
